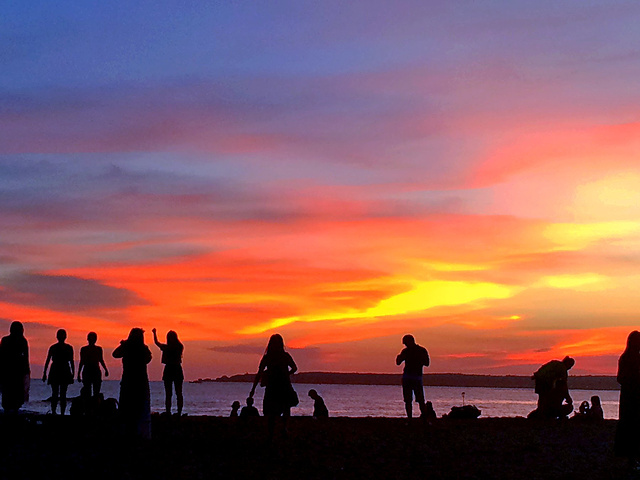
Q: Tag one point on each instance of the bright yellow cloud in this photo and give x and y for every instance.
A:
(424, 296)
(584, 281)
(576, 236)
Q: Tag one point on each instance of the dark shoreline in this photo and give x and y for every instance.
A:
(43, 447)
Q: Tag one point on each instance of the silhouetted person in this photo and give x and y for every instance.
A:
(274, 372)
(595, 412)
(135, 402)
(627, 441)
(551, 385)
(61, 374)
(235, 407)
(89, 373)
(414, 357)
(430, 413)
(14, 368)
(172, 375)
(319, 408)
(249, 410)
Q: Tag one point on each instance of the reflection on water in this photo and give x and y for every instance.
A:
(342, 400)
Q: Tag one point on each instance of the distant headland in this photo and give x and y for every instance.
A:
(586, 382)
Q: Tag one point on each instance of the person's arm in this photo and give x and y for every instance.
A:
(256, 380)
(119, 351)
(26, 355)
(80, 365)
(148, 355)
(400, 358)
(104, 365)
(72, 363)
(293, 368)
(46, 366)
(427, 360)
(155, 339)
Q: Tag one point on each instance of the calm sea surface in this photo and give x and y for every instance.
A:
(342, 400)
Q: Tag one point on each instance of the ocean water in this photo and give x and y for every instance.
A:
(342, 400)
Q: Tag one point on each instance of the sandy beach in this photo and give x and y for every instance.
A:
(46, 447)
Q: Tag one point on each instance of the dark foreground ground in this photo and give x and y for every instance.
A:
(339, 448)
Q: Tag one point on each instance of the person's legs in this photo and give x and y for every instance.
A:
(407, 394)
(63, 398)
(55, 392)
(285, 419)
(418, 390)
(179, 398)
(97, 386)
(168, 392)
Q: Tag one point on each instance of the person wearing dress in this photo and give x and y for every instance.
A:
(274, 372)
(61, 374)
(627, 439)
(14, 368)
(172, 374)
(135, 398)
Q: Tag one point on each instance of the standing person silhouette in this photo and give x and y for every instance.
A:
(414, 357)
(274, 372)
(14, 368)
(627, 440)
(135, 399)
(61, 374)
(173, 374)
(91, 357)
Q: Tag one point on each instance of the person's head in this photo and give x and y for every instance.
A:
(136, 335)
(16, 329)
(61, 335)
(276, 344)
(250, 401)
(584, 407)
(633, 342)
(568, 362)
(172, 338)
(92, 338)
(235, 405)
(595, 401)
(313, 394)
(408, 340)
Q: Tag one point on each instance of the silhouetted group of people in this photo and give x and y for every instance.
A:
(274, 373)
(134, 404)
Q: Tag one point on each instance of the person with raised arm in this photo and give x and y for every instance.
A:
(172, 374)
(62, 371)
(274, 373)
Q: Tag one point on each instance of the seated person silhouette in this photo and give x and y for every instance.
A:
(249, 410)
(429, 412)
(595, 412)
(319, 408)
(235, 406)
(551, 385)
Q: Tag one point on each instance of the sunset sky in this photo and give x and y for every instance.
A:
(339, 172)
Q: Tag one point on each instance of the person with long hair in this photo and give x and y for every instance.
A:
(14, 368)
(61, 374)
(172, 374)
(627, 440)
(135, 398)
(274, 372)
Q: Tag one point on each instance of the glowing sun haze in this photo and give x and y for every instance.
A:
(342, 173)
